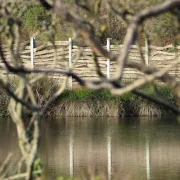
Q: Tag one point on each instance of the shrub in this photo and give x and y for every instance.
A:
(34, 16)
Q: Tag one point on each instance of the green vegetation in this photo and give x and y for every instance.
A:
(84, 102)
(161, 30)
(34, 17)
(81, 102)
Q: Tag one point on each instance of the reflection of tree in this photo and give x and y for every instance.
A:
(55, 143)
(8, 139)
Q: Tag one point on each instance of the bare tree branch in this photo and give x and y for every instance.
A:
(133, 27)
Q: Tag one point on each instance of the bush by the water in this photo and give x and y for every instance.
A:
(84, 102)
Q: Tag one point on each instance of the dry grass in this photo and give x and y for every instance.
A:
(106, 109)
(86, 103)
(89, 109)
(143, 108)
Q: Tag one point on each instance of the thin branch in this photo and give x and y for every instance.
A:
(98, 68)
(83, 30)
(5, 162)
(147, 79)
(171, 82)
(158, 100)
(46, 4)
(14, 96)
(19, 176)
(133, 27)
(103, 83)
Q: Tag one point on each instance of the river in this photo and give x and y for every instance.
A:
(108, 148)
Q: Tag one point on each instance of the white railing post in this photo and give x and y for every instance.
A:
(146, 51)
(70, 61)
(32, 46)
(108, 60)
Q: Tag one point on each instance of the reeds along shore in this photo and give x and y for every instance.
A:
(81, 102)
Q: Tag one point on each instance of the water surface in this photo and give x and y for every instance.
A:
(128, 148)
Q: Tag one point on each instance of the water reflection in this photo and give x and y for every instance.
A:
(147, 159)
(109, 152)
(112, 149)
(71, 152)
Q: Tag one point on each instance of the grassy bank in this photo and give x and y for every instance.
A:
(83, 102)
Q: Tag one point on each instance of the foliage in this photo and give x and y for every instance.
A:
(34, 17)
(161, 30)
(84, 94)
(38, 165)
(84, 102)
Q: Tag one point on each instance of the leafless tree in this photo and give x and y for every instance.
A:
(23, 97)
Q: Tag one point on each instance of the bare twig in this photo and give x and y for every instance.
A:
(21, 175)
(5, 163)
(133, 27)
(146, 79)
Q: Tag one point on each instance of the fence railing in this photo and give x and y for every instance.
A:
(62, 55)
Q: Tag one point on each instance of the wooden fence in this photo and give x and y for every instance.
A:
(62, 55)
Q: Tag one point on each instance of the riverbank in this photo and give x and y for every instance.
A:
(81, 102)
(84, 102)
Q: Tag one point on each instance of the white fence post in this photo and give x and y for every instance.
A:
(108, 60)
(70, 61)
(32, 46)
(146, 51)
